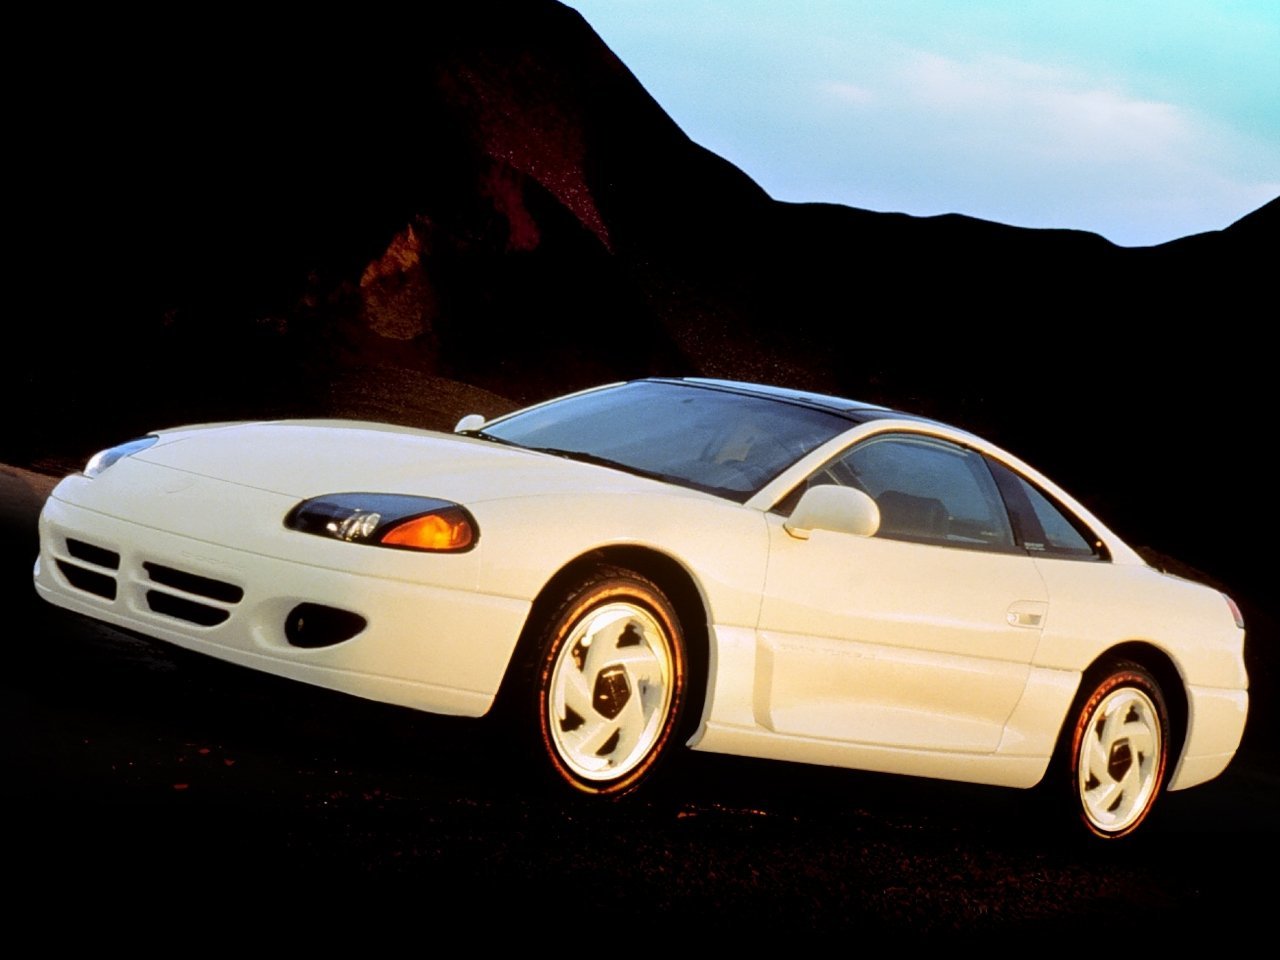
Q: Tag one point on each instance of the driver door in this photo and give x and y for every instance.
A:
(919, 637)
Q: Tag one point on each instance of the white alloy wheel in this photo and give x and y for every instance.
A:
(611, 684)
(1118, 753)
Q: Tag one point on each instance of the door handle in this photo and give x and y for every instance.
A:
(1027, 613)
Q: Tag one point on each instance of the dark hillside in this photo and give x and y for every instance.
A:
(357, 217)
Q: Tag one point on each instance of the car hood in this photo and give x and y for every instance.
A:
(306, 458)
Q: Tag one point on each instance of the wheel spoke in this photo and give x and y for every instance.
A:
(573, 692)
(1111, 726)
(1097, 764)
(1140, 736)
(587, 740)
(602, 639)
(601, 732)
(641, 664)
(1101, 798)
(631, 724)
(1132, 781)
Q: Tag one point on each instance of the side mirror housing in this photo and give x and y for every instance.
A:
(472, 421)
(835, 508)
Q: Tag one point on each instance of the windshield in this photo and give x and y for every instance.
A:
(715, 440)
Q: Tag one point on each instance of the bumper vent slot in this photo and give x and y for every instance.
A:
(90, 581)
(98, 556)
(192, 583)
(194, 588)
(181, 608)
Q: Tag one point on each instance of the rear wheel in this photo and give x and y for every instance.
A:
(611, 682)
(1119, 750)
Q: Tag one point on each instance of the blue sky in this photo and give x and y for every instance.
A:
(1142, 121)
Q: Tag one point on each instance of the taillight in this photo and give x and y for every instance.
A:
(1235, 611)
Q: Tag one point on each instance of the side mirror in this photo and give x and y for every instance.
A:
(835, 508)
(472, 421)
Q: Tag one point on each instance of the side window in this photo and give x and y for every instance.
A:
(1044, 527)
(928, 491)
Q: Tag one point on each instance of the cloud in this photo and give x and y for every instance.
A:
(1045, 111)
(1018, 141)
(849, 93)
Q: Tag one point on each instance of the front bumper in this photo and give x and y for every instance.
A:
(433, 646)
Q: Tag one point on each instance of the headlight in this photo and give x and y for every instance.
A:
(105, 458)
(387, 520)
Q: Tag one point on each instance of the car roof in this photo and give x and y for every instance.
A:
(854, 411)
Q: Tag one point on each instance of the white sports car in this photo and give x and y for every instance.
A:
(622, 571)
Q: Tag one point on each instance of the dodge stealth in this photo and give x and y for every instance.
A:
(667, 563)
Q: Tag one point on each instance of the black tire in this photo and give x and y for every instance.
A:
(610, 682)
(1118, 750)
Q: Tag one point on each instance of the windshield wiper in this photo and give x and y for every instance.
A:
(482, 435)
(583, 457)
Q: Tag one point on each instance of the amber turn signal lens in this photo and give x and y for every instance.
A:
(431, 532)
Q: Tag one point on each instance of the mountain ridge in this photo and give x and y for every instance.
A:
(338, 217)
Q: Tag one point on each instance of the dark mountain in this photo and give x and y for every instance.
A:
(350, 215)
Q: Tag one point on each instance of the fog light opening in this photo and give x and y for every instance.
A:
(312, 625)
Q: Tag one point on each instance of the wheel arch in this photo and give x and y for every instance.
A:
(1166, 673)
(668, 573)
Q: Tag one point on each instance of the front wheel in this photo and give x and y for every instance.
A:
(1119, 749)
(611, 683)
